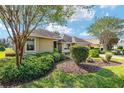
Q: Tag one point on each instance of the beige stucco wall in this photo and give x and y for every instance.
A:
(42, 45)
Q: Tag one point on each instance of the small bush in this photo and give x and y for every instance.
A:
(57, 57)
(2, 48)
(63, 57)
(56, 50)
(94, 53)
(120, 47)
(108, 56)
(79, 54)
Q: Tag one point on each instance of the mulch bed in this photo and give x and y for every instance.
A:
(70, 66)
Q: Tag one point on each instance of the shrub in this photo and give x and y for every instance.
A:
(57, 57)
(120, 47)
(28, 70)
(108, 56)
(63, 57)
(56, 50)
(2, 48)
(94, 53)
(79, 54)
(35, 69)
(91, 47)
(9, 73)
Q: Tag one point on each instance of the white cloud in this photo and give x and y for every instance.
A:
(84, 34)
(107, 14)
(82, 14)
(59, 28)
(108, 6)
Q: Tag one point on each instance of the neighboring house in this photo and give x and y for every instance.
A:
(120, 43)
(41, 41)
(66, 41)
(94, 43)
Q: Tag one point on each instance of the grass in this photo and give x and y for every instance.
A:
(108, 77)
(118, 60)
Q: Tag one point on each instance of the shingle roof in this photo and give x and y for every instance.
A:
(44, 33)
(93, 41)
(67, 38)
(64, 38)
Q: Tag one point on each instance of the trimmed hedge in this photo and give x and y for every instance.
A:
(79, 54)
(32, 67)
(94, 53)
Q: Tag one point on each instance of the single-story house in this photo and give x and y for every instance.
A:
(41, 41)
(45, 41)
(94, 43)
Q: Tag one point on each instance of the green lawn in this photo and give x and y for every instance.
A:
(105, 78)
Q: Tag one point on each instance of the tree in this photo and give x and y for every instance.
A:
(21, 21)
(107, 29)
(108, 39)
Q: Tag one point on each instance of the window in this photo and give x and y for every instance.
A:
(67, 46)
(55, 44)
(30, 45)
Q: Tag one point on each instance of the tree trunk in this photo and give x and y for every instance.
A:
(105, 47)
(19, 53)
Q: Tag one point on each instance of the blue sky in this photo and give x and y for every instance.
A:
(77, 25)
